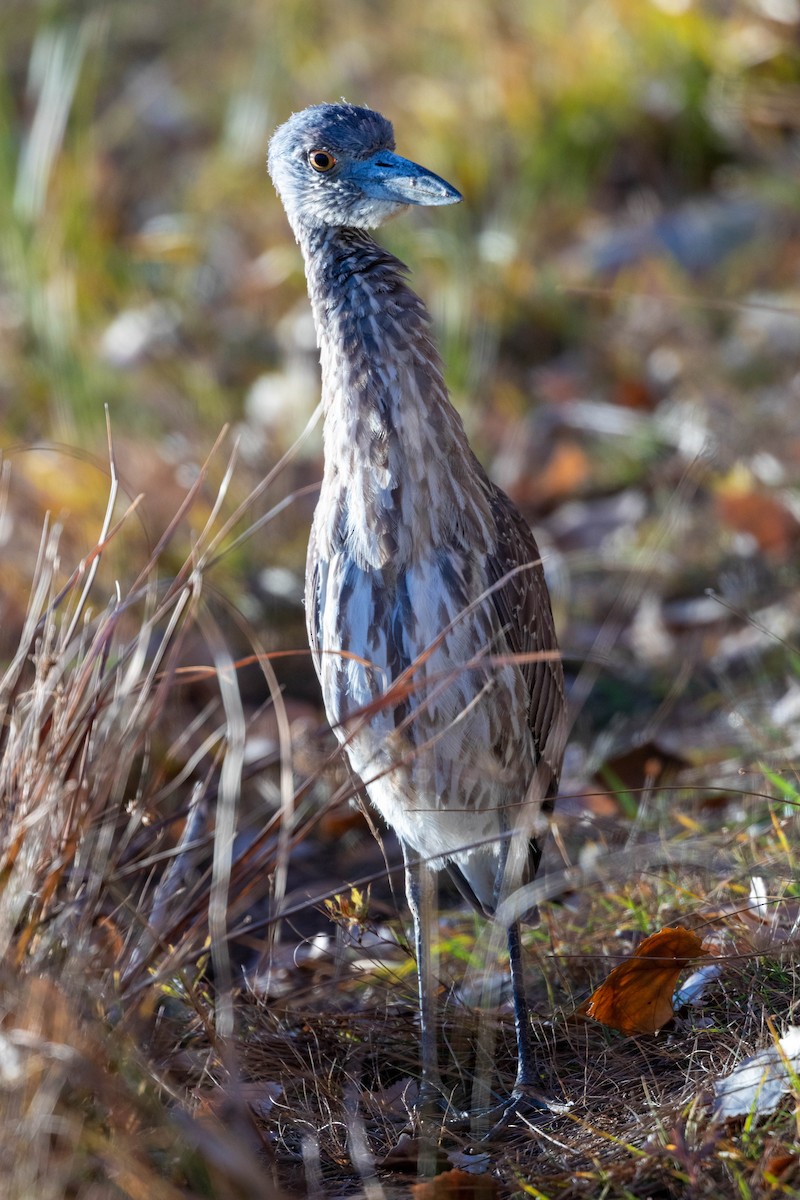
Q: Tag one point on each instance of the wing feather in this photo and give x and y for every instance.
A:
(522, 603)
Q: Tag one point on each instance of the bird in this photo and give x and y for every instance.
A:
(428, 614)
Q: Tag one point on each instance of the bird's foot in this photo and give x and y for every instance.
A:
(525, 1107)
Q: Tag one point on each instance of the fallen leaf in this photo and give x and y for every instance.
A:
(406, 1153)
(759, 1083)
(645, 761)
(351, 911)
(457, 1185)
(631, 392)
(567, 470)
(764, 517)
(778, 1166)
(637, 995)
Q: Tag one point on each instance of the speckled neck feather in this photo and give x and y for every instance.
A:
(396, 454)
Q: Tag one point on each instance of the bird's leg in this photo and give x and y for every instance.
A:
(526, 1084)
(420, 890)
(526, 1100)
(526, 1080)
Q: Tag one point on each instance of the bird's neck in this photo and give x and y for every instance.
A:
(395, 449)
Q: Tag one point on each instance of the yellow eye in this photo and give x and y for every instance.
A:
(321, 161)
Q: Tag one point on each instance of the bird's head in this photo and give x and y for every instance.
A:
(334, 165)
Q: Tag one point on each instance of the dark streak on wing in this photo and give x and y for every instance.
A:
(313, 600)
(523, 606)
(393, 615)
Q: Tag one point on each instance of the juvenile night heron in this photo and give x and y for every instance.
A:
(428, 613)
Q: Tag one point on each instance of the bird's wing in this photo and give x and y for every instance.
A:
(522, 603)
(313, 600)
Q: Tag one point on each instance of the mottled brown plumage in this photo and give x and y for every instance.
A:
(428, 612)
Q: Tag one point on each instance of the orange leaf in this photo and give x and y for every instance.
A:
(637, 995)
(779, 1165)
(567, 469)
(457, 1185)
(764, 517)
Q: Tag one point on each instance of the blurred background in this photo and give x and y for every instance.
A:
(617, 303)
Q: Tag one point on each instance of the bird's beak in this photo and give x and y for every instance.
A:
(387, 176)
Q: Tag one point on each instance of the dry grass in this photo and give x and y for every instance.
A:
(638, 1119)
(160, 1037)
(136, 1059)
(111, 878)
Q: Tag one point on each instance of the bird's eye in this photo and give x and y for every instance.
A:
(321, 161)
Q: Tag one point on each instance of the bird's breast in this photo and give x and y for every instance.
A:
(371, 626)
(433, 725)
(400, 480)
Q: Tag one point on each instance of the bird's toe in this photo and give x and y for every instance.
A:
(526, 1107)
